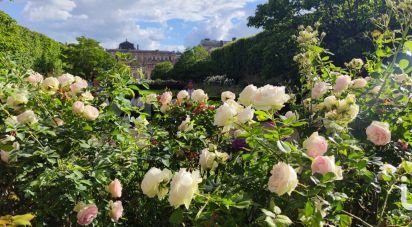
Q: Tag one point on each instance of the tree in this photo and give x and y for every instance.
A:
(191, 65)
(346, 23)
(87, 58)
(162, 70)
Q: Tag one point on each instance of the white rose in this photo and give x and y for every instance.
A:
(283, 180)
(227, 95)
(359, 83)
(353, 112)
(232, 103)
(16, 100)
(199, 95)
(185, 125)
(342, 83)
(330, 101)
(319, 89)
(90, 113)
(87, 96)
(50, 85)
(151, 98)
(291, 115)
(78, 107)
(270, 97)
(246, 96)
(27, 116)
(183, 187)
(245, 115)
(182, 95)
(66, 79)
(78, 85)
(4, 156)
(207, 159)
(152, 180)
(224, 115)
(376, 90)
(34, 78)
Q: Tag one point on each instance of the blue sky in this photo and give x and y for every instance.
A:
(153, 24)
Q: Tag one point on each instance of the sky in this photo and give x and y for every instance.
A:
(153, 24)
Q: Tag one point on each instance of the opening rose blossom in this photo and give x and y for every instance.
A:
(315, 145)
(283, 180)
(78, 107)
(199, 95)
(342, 83)
(246, 96)
(87, 214)
(90, 113)
(152, 180)
(115, 188)
(182, 96)
(183, 187)
(226, 95)
(116, 211)
(378, 133)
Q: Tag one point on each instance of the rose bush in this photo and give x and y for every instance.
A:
(334, 152)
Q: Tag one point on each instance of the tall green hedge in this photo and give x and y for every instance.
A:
(31, 49)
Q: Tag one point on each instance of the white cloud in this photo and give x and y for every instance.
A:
(40, 10)
(112, 21)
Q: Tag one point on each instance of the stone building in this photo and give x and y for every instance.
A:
(209, 44)
(145, 60)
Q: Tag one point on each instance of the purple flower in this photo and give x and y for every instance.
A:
(239, 144)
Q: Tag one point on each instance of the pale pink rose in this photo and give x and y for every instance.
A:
(342, 83)
(182, 95)
(78, 107)
(116, 211)
(291, 114)
(185, 125)
(50, 85)
(245, 115)
(226, 95)
(78, 86)
(115, 188)
(359, 83)
(319, 90)
(87, 214)
(66, 79)
(199, 95)
(90, 113)
(4, 156)
(164, 108)
(375, 90)
(166, 98)
(34, 78)
(323, 165)
(379, 133)
(315, 145)
(283, 179)
(27, 116)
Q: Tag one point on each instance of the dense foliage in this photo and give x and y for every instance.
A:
(31, 49)
(162, 70)
(192, 65)
(87, 58)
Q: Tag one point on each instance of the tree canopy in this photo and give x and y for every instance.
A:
(162, 70)
(193, 64)
(87, 58)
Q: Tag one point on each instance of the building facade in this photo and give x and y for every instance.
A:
(144, 60)
(210, 44)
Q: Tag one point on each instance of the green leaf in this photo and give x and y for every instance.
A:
(283, 147)
(345, 220)
(309, 209)
(408, 45)
(403, 64)
(22, 219)
(270, 222)
(282, 219)
(176, 217)
(261, 115)
(268, 213)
